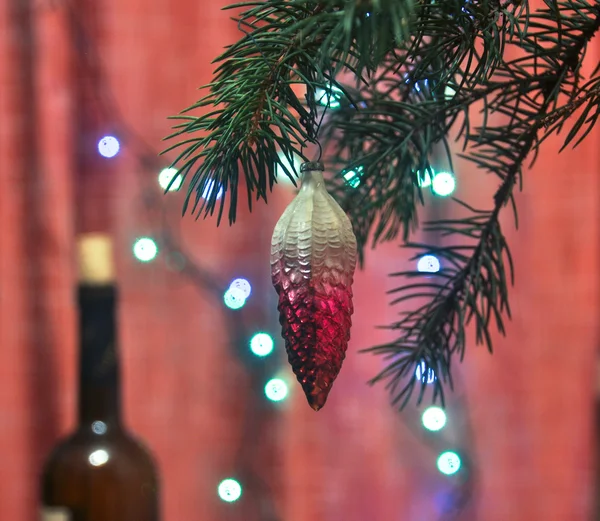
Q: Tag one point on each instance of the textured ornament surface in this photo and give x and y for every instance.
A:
(313, 258)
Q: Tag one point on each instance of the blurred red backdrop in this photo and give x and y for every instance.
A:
(530, 404)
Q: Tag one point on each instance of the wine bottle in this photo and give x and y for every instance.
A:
(100, 472)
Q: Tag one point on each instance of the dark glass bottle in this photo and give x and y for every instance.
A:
(100, 472)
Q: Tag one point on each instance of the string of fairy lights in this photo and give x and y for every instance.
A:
(238, 292)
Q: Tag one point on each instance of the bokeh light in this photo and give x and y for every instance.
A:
(234, 298)
(420, 371)
(145, 249)
(329, 98)
(448, 463)
(229, 490)
(210, 188)
(443, 184)
(262, 344)
(434, 418)
(276, 390)
(165, 177)
(108, 146)
(353, 177)
(428, 264)
(243, 285)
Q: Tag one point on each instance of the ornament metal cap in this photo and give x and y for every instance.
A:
(312, 165)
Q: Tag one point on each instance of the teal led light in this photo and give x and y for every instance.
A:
(448, 463)
(261, 344)
(276, 390)
(443, 184)
(434, 418)
(145, 249)
(229, 490)
(234, 298)
(329, 98)
(353, 177)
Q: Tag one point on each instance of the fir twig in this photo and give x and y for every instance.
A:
(254, 121)
(474, 285)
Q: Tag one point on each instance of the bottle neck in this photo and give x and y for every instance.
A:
(99, 364)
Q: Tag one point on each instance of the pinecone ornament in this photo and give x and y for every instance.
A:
(313, 258)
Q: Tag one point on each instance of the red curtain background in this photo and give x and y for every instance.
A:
(529, 407)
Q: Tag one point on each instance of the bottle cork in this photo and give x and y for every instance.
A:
(95, 259)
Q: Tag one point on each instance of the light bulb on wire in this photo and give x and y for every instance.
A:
(353, 176)
(329, 98)
(261, 344)
(229, 490)
(108, 146)
(276, 390)
(234, 298)
(170, 178)
(428, 264)
(443, 184)
(145, 249)
(210, 187)
(434, 418)
(448, 463)
(243, 285)
(425, 374)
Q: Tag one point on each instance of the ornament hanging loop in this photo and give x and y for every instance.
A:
(312, 165)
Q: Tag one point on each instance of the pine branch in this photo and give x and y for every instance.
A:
(475, 286)
(254, 122)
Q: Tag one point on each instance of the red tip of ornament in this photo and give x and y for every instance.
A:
(316, 329)
(314, 406)
(317, 398)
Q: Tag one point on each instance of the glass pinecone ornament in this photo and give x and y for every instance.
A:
(313, 258)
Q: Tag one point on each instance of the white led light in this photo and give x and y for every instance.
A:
(229, 490)
(434, 418)
(108, 146)
(428, 264)
(243, 285)
(210, 188)
(145, 249)
(417, 86)
(420, 373)
(448, 463)
(261, 344)
(276, 390)
(165, 177)
(98, 457)
(443, 184)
